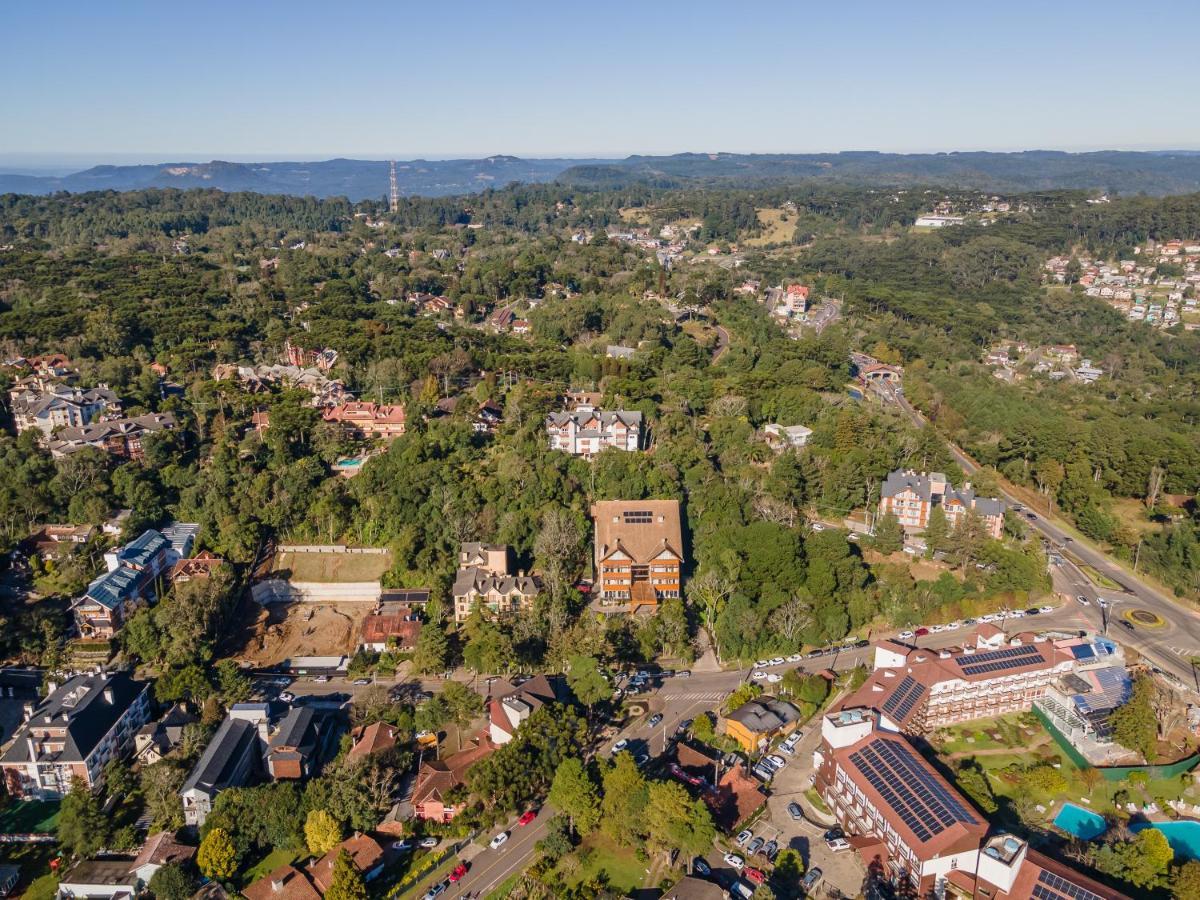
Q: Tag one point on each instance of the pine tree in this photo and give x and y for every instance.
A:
(432, 647)
(347, 882)
(574, 793)
(82, 826)
(889, 536)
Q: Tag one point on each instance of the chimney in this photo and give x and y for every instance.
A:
(276, 885)
(33, 748)
(28, 711)
(51, 687)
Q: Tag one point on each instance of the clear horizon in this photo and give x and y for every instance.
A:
(271, 81)
(64, 163)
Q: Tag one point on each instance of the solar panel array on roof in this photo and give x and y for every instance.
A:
(903, 699)
(1054, 887)
(1083, 651)
(918, 797)
(999, 660)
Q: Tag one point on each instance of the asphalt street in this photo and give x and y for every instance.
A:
(1169, 646)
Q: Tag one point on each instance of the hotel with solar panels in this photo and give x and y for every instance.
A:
(902, 815)
(915, 690)
(899, 811)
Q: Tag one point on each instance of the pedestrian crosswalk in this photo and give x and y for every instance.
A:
(696, 695)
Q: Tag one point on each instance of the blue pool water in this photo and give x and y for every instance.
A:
(1083, 823)
(1184, 837)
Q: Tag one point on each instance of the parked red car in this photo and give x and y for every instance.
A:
(755, 875)
(527, 817)
(459, 871)
(921, 632)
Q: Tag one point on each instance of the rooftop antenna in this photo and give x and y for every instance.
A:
(394, 199)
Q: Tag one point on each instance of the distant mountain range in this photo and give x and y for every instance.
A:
(1113, 171)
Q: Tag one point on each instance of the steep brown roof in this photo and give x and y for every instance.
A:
(160, 849)
(437, 776)
(364, 850)
(285, 883)
(373, 738)
(616, 527)
(903, 786)
(1039, 868)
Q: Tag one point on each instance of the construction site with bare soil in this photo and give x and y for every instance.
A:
(308, 602)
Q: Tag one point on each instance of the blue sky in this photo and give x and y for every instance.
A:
(127, 81)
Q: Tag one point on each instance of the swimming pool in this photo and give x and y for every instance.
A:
(1184, 837)
(1083, 823)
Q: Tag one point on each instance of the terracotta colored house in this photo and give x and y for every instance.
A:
(364, 851)
(370, 739)
(285, 883)
(436, 778)
(368, 419)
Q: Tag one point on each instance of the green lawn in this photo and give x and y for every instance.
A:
(504, 888)
(270, 863)
(35, 816)
(599, 854)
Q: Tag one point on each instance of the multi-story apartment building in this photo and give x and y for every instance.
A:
(73, 733)
(131, 576)
(232, 758)
(60, 406)
(904, 817)
(120, 437)
(638, 552)
(912, 496)
(586, 430)
(916, 690)
(304, 358)
(368, 419)
(485, 579)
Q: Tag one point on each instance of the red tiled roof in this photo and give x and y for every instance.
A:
(437, 776)
(378, 627)
(373, 738)
(1036, 864)
(916, 795)
(364, 851)
(293, 885)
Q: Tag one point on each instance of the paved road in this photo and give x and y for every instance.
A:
(722, 343)
(1169, 647)
(488, 868)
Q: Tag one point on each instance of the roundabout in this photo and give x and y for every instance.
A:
(1143, 618)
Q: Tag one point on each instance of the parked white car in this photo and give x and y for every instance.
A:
(499, 840)
(734, 861)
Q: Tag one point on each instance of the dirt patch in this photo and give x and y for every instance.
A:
(919, 569)
(271, 634)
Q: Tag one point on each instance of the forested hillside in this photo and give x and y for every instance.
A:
(132, 286)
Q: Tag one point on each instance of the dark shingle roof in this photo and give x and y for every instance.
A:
(222, 755)
(82, 708)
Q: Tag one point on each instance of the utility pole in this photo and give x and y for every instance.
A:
(1137, 554)
(394, 193)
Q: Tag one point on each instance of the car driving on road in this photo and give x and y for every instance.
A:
(499, 840)
(655, 719)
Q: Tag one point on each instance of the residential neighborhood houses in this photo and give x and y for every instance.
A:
(1159, 286)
